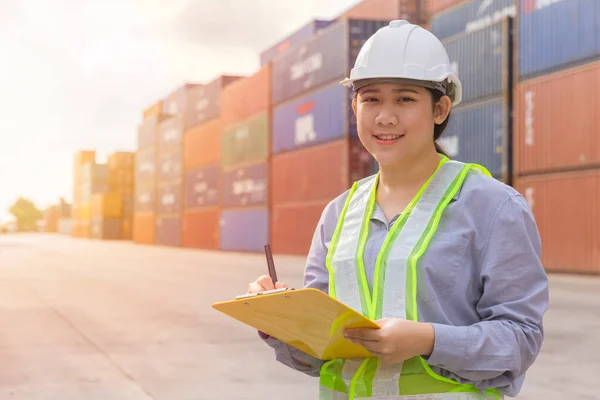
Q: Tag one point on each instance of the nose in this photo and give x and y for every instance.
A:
(386, 117)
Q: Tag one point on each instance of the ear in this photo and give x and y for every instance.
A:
(354, 104)
(442, 109)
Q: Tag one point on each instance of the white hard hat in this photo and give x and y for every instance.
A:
(405, 52)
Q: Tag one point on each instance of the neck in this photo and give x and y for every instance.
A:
(410, 172)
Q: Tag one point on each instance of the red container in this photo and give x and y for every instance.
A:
(318, 173)
(246, 97)
(202, 144)
(557, 121)
(435, 6)
(200, 229)
(293, 227)
(565, 207)
(411, 10)
(144, 228)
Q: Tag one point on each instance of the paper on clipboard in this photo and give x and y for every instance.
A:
(307, 319)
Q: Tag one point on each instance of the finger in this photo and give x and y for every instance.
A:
(281, 285)
(366, 334)
(255, 287)
(266, 282)
(372, 347)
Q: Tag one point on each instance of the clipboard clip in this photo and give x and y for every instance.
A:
(266, 293)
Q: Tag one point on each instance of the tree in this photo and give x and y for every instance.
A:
(26, 214)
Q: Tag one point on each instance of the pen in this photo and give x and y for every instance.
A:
(270, 264)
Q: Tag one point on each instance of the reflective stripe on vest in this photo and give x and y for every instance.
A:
(394, 296)
(328, 394)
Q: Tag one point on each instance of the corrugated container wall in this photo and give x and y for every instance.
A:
(482, 60)
(175, 103)
(245, 186)
(200, 229)
(168, 231)
(557, 34)
(469, 16)
(244, 230)
(202, 144)
(318, 117)
(107, 228)
(202, 187)
(154, 110)
(147, 132)
(304, 218)
(557, 124)
(293, 40)
(481, 134)
(321, 60)
(565, 207)
(144, 228)
(433, 7)
(246, 97)
(169, 198)
(410, 10)
(247, 142)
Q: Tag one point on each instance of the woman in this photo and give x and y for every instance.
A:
(445, 258)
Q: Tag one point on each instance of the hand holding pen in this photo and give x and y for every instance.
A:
(267, 282)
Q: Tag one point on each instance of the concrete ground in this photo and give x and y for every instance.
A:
(97, 320)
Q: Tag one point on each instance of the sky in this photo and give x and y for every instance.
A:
(78, 74)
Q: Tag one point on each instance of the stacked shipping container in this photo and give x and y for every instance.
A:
(80, 228)
(557, 128)
(246, 107)
(202, 154)
(316, 154)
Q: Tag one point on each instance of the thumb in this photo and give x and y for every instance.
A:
(281, 285)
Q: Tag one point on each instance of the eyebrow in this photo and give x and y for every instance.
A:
(393, 91)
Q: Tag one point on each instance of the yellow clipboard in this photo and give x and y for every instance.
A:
(307, 319)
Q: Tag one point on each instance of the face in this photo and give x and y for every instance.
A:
(395, 121)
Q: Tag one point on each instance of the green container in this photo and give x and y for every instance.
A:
(246, 143)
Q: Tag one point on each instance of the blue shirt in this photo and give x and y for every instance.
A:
(480, 284)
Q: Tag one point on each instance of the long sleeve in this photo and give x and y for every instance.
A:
(496, 352)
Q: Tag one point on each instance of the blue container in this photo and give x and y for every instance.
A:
(202, 187)
(482, 61)
(300, 36)
(471, 16)
(169, 164)
(319, 117)
(325, 58)
(168, 231)
(244, 230)
(480, 134)
(245, 186)
(557, 35)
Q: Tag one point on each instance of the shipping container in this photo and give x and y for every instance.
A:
(82, 229)
(154, 110)
(481, 134)
(410, 10)
(298, 37)
(557, 123)
(202, 186)
(318, 117)
(470, 16)
(170, 132)
(204, 101)
(168, 231)
(247, 142)
(169, 198)
(90, 189)
(202, 144)
(127, 228)
(293, 226)
(244, 229)
(145, 197)
(433, 7)
(323, 59)
(145, 164)
(170, 164)
(246, 97)
(483, 61)
(557, 34)
(147, 135)
(565, 207)
(121, 160)
(65, 226)
(200, 229)
(245, 186)
(318, 173)
(144, 229)
(93, 172)
(65, 210)
(107, 229)
(109, 205)
(176, 102)
(121, 181)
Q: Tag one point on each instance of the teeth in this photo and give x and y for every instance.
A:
(387, 137)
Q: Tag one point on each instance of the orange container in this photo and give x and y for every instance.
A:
(246, 97)
(121, 160)
(127, 229)
(154, 110)
(565, 207)
(202, 144)
(144, 228)
(200, 229)
(303, 217)
(558, 132)
(108, 205)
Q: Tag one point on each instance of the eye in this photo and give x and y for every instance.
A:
(370, 99)
(404, 99)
